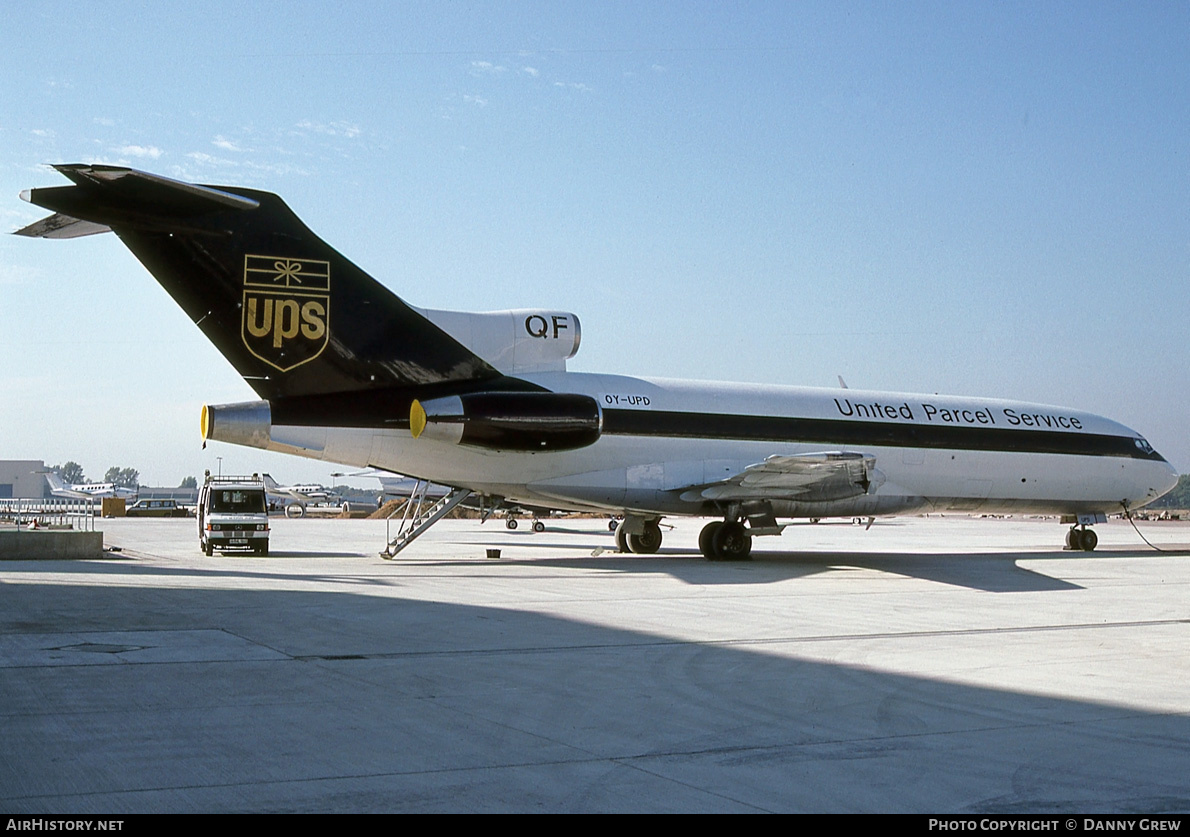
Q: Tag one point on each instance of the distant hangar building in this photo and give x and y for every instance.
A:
(23, 479)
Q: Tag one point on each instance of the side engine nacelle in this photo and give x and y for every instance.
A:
(520, 421)
(248, 423)
(518, 341)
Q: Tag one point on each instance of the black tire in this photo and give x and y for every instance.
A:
(732, 542)
(1073, 539)
(648, 542)
(510, 523)
(612, 524)
(621, 538)
(538, 526)
(706, 540)
(208, 549)
(1089, 540)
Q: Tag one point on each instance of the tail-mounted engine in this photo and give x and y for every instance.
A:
(515, 342)
(520, 421)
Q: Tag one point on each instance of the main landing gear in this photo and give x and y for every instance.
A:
(720, 540)
(725, 540)
(638, 536)
(511, 523)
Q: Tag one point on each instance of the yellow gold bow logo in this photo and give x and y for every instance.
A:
(286, 309)
(288, 269)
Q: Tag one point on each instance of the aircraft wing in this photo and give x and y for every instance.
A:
(807, 477)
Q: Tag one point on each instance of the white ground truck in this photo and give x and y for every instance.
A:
(232, 514)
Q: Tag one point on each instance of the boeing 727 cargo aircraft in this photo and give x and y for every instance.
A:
(348, 372)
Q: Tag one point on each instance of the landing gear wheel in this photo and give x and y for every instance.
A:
(538, 526)
(732, 542)
(1081, 539)
(510, 523)
(706, 540)
(612, 524)
(621, 538)
(648, 542)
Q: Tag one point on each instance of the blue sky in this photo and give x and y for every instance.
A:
(983, 199)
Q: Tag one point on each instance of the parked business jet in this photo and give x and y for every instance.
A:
(295, 498)
(348, 372)
(87, 490)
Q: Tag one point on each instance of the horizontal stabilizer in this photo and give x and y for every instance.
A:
(62, 226)
(140, 186)
(107, 196)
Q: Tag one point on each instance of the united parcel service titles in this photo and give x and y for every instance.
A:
(874, 410)
(987, 416)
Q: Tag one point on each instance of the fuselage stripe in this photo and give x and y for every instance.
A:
(834, 432)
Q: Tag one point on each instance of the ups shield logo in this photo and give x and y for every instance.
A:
(286, 306)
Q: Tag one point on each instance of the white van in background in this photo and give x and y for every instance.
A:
(232, 514)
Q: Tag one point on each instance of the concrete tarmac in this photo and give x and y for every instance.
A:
(942, 665)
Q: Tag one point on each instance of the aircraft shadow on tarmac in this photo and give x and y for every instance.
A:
(992, 572)
(995, 573)
(989, 572)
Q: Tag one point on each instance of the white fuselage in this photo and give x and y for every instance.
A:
(91, 490)
(661, 437)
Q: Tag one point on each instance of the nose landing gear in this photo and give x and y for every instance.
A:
(1081, 539)
(1078, 536)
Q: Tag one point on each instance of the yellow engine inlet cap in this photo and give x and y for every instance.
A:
(417, 418)
(206, 423)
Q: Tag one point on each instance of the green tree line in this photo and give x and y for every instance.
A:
(72, 474)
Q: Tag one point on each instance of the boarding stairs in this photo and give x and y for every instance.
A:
(418, 515)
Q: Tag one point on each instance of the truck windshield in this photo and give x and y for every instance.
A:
(238, 501)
